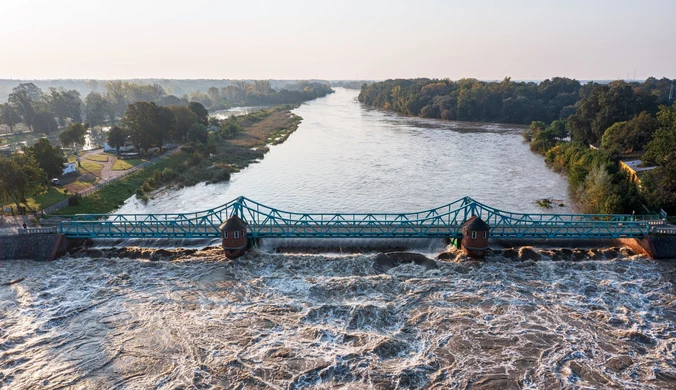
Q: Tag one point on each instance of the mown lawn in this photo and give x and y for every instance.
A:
(113, 195)
(90, 167)
(98, 157)
(123, 165)
(52, 196)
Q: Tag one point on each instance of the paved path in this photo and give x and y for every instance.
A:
(11, 224)
(107, 173)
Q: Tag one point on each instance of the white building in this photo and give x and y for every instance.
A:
(110, 149)
(69, 167)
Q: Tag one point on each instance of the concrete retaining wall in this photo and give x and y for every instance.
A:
(31, 246)
(657, 247)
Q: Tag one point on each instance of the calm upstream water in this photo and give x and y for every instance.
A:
(587, 319)
(346, 157)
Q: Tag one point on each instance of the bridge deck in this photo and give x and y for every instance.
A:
(444, 221)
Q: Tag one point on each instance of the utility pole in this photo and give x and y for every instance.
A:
(671, 91)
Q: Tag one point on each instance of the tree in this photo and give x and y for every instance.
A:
(631, 135)
(66, 104)
(166, 122)
(116, 138)
(9, 116)
(23, 104)
(141, 121)
(598, 195)
(49, 158)
(20, 176)
(97, 108)
(658, 186)
(74, 135)
(198, 133)
(44, 122)
(663, 143)
(201, 112)
(185, 118)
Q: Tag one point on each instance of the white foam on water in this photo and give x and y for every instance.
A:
(298, 321)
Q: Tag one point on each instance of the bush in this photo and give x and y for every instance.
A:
(195, 158)
(74, 200)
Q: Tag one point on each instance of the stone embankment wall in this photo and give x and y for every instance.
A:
(31, 246)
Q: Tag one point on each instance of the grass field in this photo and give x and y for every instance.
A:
(123, 165)
(98, 157)
(113, 195)
(91, 167)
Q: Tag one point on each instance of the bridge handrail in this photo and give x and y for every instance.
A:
(255, 207)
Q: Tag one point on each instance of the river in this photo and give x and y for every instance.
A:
(131, 318)
(347, 157)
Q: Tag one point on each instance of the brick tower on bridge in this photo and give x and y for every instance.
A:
(234, 238)
(475, 237)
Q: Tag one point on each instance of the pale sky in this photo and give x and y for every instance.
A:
(345, 39)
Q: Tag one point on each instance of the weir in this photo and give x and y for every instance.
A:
(441, 222)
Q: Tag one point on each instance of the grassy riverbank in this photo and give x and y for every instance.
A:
(223, 153)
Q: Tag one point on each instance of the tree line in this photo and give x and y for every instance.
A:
(44, 113)
(521, 102)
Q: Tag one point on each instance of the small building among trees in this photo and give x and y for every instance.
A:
(475, 237)
(234, 237)
(69, 167)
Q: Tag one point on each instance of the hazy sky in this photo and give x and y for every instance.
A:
(345, 39)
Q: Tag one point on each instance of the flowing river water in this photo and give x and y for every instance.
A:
(147, 319)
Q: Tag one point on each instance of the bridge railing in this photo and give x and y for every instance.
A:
(443, 221)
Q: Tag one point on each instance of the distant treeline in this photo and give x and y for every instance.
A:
(350, 84)
(508, 101)
(44, 112)
(260, 93)
(174, 87)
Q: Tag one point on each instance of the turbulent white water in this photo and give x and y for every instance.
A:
(272, 321)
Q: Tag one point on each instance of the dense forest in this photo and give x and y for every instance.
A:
(621, 120)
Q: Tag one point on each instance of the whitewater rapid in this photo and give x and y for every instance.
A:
(281, 321)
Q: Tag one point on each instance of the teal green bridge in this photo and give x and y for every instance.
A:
(441, 222)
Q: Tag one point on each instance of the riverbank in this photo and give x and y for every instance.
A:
(212, 161)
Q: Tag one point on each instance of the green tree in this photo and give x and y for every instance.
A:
(50, 159)
(185, 118)
(97, 109)
(20, 176)
(658, 187)
(198, 133)
(148, 124)
(663, 142)
(44, 122)
(631, 135)
(201, 112)
(9, 116)
(23, 104)
(598, 194)
(74, 135)
(116, 138)
(64, 104)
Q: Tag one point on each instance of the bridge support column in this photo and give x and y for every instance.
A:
(253, 242)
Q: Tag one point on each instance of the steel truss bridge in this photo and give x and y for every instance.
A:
(441, 222)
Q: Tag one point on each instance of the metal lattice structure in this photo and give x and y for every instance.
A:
(441, 222)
